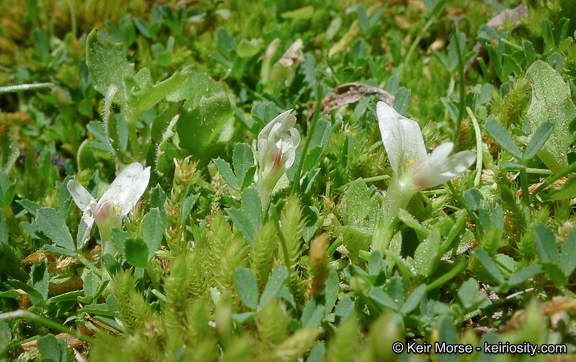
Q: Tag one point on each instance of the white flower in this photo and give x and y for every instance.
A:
(116, 202)
(402, 139)
(277, 144)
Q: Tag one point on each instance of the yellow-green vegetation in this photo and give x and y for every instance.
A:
(287, 180)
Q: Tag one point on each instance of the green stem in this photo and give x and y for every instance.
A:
(510, 44)
(567, 292)
(89, 264)
(524, 185)
(459, 266)
(134, 141)
(397, 197)
(462, 93)
(479, 161)
(73, 25)
(551, 180)
(24, 87)
(334, 246)
(296, 182)
(417, 40)
(24, 314)
(539, 171)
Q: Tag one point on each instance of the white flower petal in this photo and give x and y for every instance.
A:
(440, 154)
(430, 175)
(402, 137)
(127, 188)
(82, 198)
(458, 163)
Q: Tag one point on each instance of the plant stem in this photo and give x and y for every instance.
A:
(397, 197)
(462, 94)
(551, 180)
(311, 130)
(459, 266)
(479, 161)
(88, 264)
(134, 141)
(24, 314)
(417, 40)
(524, 184)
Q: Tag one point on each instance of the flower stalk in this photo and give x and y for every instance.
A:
(413, 168)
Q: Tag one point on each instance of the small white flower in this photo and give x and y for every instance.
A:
(277, 144)
(402, 139)
(116, 202)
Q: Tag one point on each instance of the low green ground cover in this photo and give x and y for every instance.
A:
(287, 180)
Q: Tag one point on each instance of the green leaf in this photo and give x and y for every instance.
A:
(7, 189)
(402, 100)
(248, 48)
(3, 231)
(538, 140)
(565, 192)
(502, 138)
(50, 348)
(472, 198)
(247, 287)
(227, 173)
(546, 244)
(252, 207)
(197, 86)
(313, 313)
(58, 251)
(249, 218)
(198, 127)
(119, 238)
(152, 231)
(275, 283)
(187, 205)
(551, 103)
(524, 274)
(414, 299)
(242, 222)
(489, 265)
(136, 252)
(448, 335)
(107, 65)
(426, 254)
(111, 264)
(318, 144)
(160, 123)
(243, 161)
(9, 152)
(363, 20)
(383, 300)
(149, 94)
(567, 257)
(90, 286)
(376, 263)
(467, 294)
(355, 204)
(54, 227)
(40, 279)
(344, 309)
(411, 222)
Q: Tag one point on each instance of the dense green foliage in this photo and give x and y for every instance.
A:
(235, 252)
